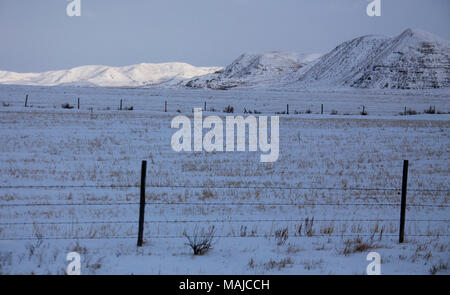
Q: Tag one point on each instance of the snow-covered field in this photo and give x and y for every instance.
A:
(96, 153)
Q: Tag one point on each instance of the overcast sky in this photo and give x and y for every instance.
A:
(38, 35)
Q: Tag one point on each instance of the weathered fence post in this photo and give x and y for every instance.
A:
(142, 204)
(78, 103)
(165, 106)
(26, 100)
(204, 109)
(321, 109)
(120, 108)
(403, 202)
(287, 109)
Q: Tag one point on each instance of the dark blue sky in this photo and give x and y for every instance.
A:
(39, 36)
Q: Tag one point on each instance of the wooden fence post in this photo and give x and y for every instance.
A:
(321, 109)
(120, 108)
(287, 109)
(78, 103)
(142, 204)
(204, 107)
(26, 100)
(165, 106)
(403, 202)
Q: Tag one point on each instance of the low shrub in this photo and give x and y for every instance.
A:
(229, 109)
(66, 106)
(430, 110)
(200, 241)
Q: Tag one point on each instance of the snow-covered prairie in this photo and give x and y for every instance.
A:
(96, 153)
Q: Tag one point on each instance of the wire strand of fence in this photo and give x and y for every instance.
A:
(103, 186)
(215, 221)
(112, 186)
(221, 204)
(68, 204)
(216, 237)
(291, 204)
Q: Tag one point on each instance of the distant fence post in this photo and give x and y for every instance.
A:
(142, 204)
(321, 109)
(26, 100)
(165, 106)
(120, 108)
(78, 103)
(204, 109)
(287, 109)
(403, 202)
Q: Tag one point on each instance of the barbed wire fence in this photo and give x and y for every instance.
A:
(142, 204)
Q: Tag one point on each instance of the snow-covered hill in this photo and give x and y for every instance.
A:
(105, 76)
(252, 69)
(342, 63)
(413, 60)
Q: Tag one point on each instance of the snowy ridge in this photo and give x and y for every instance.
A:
(343, 63)
(413, 60)
(251, 69)
(105, 76)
